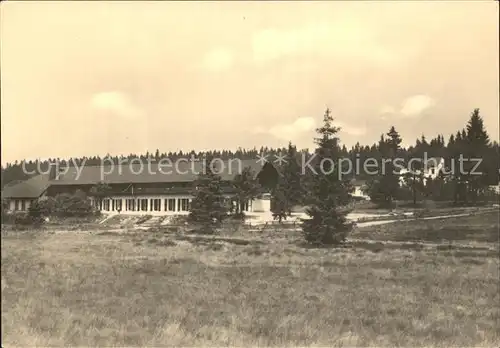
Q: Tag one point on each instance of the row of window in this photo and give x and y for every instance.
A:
(145, 204)
(21, 204)
(152, 204)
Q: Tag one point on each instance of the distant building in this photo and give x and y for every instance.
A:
(137, 188)
(20, 195)
(430, 170)
(495, 188)
(359, 187)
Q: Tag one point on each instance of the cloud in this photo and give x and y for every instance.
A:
(348, 129)
(415, 105)
(218, 59)
(290, 131)
(116, 103)
(301, 126)
(411, 107)
(343, 40)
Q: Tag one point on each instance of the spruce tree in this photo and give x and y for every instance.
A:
(328, 192)
(288, 192)
(208, 208)
(386, 188)
(246, 187)
(292, 179)
(477, 147)
(99, 192)
(280, 206)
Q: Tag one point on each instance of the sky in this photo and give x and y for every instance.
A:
(91, 78)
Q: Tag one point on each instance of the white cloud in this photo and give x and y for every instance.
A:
(411, 107)
(290, 131)
(218, 59)
(342, 39)
(387, 109)
(415, 105)
(116, 103)
(348, 129)
(294, 131)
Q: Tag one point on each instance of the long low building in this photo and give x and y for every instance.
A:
(140, 188)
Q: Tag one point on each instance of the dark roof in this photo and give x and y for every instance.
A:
(180, 171)
(358, 182)
(31, 188)
(434, 161)
(121, 174)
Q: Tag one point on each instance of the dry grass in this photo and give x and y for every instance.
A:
(152, 289)
(482, 228)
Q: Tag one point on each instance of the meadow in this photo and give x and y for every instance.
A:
(413, 283)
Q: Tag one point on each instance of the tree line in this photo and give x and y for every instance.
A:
(327, 194)
(470, 141)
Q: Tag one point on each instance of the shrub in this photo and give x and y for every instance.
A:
(179, 220)
(67, 205)
(143, 219)
(25, 219)
(41, 207)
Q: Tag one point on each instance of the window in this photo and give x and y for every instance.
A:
(112, 205)
(16, 204)
(130, 204)
(144, 204)
(106, 204)
(183, 204)
(156, 204)
(23, 205)
(245, 206)
(170, 204)
(118, 204)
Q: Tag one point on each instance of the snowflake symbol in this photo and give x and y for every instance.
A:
(262, 158)
(280, 159)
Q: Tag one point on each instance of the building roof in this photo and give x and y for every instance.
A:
(358, 182)
(137, 173)
(179, 171)
(31, 188)
(434, 161)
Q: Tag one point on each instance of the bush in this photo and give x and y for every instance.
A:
(24, 219)
(143, 219)
(179, 220)
(41, 207)
(67, 205)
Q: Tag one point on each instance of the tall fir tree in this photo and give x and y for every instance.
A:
(246, 188)
(386, 188)
(390, 178)
(328, 194)
(477, 150)
(99, 192)
(208, 207)
(288, 192)
(280, 207)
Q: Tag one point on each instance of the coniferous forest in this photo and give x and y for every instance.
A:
(472, 141)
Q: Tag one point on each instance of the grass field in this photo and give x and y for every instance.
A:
(136, 288)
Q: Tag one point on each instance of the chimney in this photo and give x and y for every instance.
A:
(61, 172)
(52, 171)
(55, 171)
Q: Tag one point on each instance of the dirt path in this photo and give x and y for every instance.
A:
(383, 222)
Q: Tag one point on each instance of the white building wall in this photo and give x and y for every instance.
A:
(180, 208)
(16, 204)
(261, 205)
(358, 192)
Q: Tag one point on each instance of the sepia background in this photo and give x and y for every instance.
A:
(88, 78)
